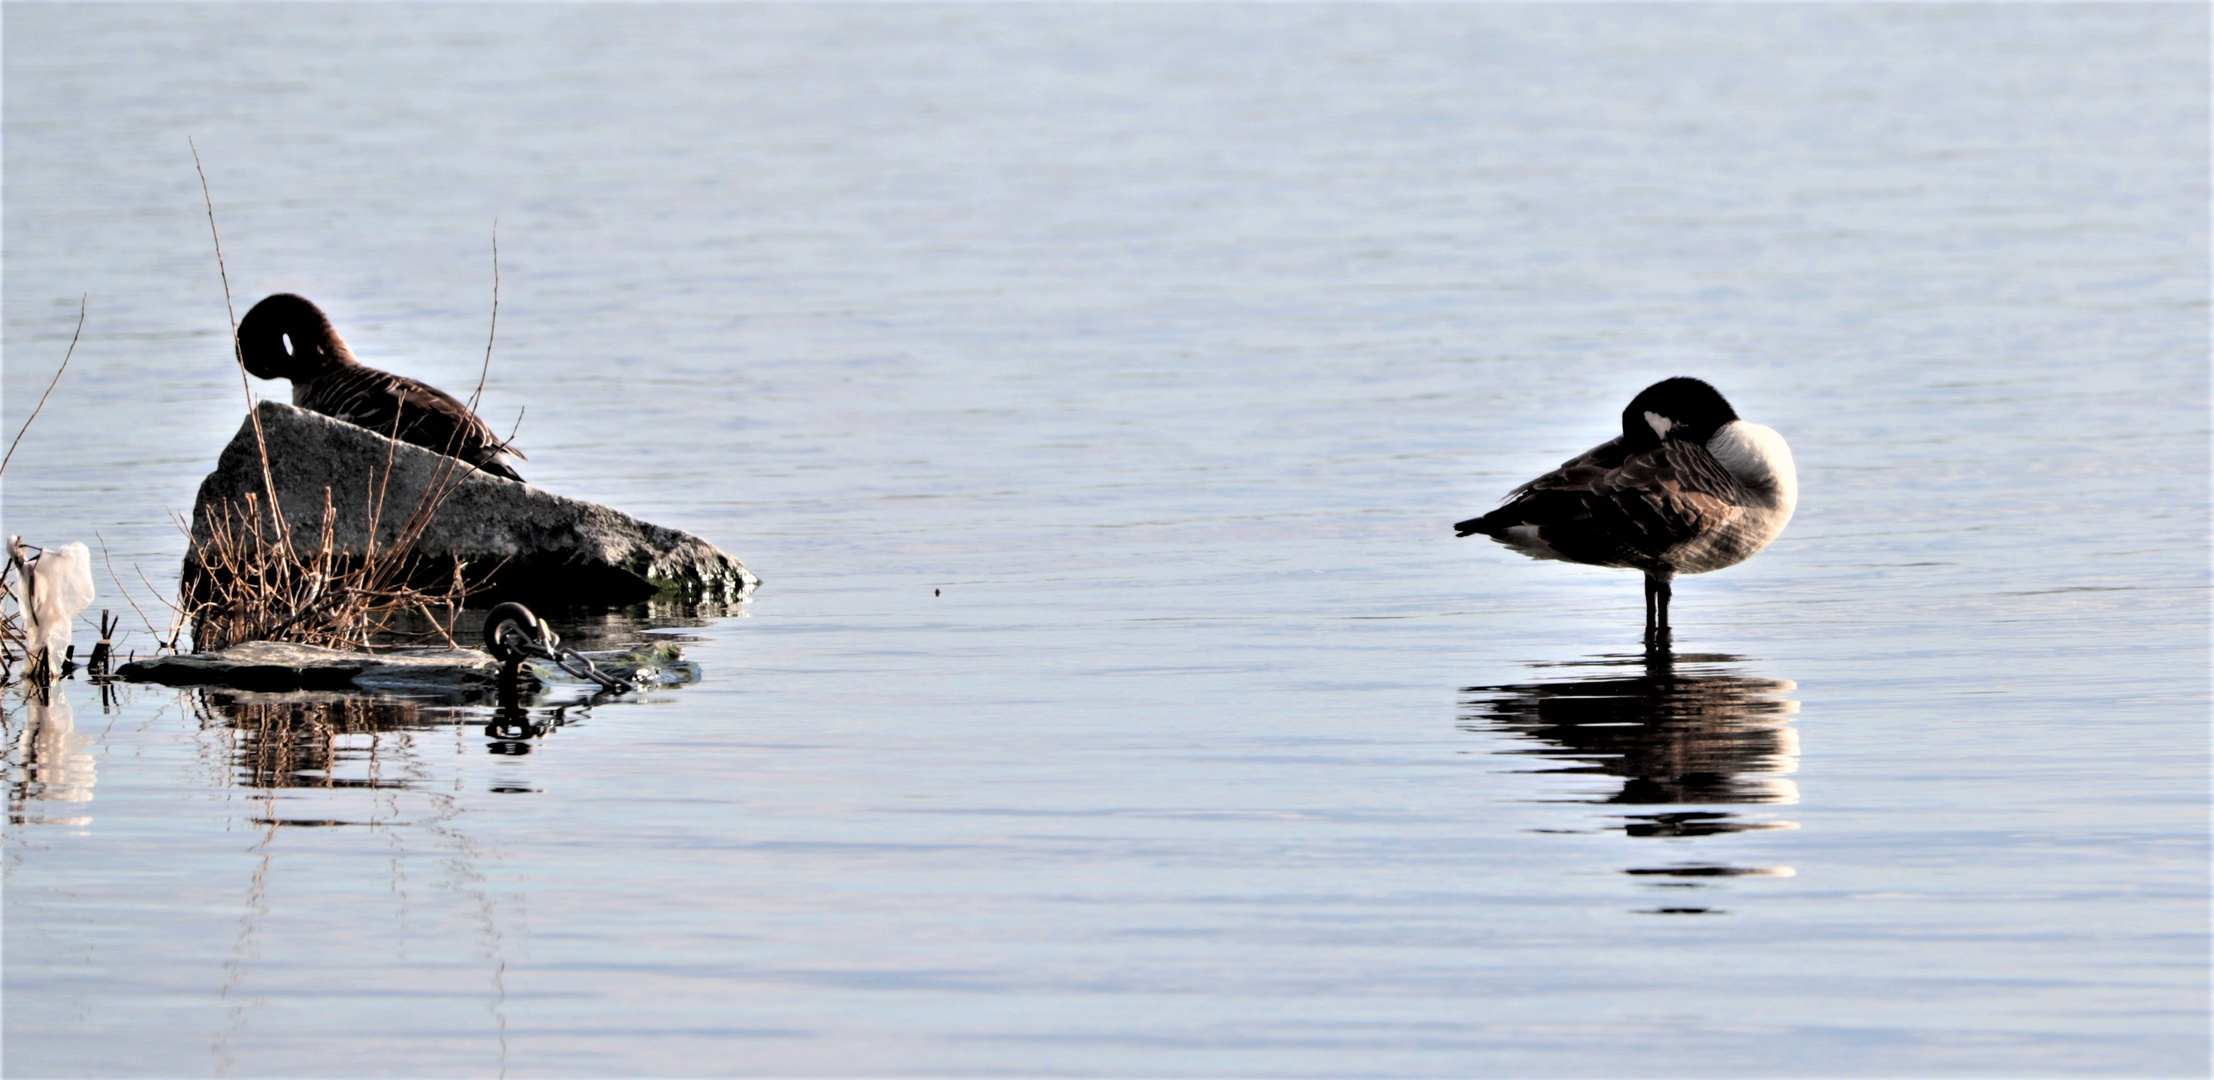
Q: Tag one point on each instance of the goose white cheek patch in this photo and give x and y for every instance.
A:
(1660, 423)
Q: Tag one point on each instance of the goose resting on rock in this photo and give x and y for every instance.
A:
(1687, 488)
(286, 337)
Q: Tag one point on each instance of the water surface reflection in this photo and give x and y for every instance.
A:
(319, 740)
(50, 760)
(304, 739)
(1658, 729)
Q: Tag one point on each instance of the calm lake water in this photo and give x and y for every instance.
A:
(1094, 387)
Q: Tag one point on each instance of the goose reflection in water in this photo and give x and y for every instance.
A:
(1662, 730)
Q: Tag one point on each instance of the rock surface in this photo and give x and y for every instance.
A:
(537, 547)
(277, 665)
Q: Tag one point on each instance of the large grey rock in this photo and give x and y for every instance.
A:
(549, 550)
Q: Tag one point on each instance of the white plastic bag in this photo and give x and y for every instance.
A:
(60, 587)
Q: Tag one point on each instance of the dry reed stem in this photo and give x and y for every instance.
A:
(51, 383)
(238, 352)
(15, 642)
(124, 589)
(494, 331)
(38, 668)
(14, 638)
(177, 615)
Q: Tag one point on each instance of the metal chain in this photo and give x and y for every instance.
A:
(553, 652)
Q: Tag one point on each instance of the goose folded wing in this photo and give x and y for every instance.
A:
(1577, 474)
(408, 410)
(358, 395)
(1627, 513)
(437, 420)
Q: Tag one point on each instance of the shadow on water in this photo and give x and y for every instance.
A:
(1660, 731)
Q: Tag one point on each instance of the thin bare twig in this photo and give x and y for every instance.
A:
(495, 329)
(177, 617)
(125, 589)
(50, 384)
(38, 668)
(14, 635)
(238, 352)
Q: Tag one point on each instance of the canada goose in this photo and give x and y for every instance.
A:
(1687, 488)
(287, 337)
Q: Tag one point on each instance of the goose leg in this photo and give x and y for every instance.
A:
(1657, 593)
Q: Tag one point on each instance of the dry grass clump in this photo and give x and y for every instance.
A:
(251, 578)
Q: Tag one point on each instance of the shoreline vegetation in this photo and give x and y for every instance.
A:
(251, 577)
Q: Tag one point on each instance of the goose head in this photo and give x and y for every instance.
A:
(1678, 408)
(287, 337)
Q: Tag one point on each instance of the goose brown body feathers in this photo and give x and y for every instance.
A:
(287, 337)
(1610, 506)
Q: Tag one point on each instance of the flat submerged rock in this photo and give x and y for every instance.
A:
(278, 665)
(522, 542)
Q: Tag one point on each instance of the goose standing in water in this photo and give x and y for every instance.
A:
(286, 337)
(1687, 488)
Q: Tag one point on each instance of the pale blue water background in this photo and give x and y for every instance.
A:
(1167, 341)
